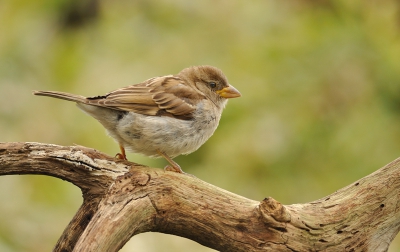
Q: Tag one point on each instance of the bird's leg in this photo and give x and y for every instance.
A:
(121, 155)
(174, 166)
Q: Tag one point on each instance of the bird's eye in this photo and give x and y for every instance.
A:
(212, 84)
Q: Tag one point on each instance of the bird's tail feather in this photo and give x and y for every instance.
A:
(62, 95)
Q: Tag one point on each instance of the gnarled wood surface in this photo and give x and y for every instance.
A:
(122, 199)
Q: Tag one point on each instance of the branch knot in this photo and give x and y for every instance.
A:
(269, 207)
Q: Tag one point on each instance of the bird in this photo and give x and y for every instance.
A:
(164, 116)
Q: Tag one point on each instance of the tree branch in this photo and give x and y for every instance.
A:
(122, 199)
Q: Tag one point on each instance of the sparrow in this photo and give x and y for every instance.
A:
(164, 116)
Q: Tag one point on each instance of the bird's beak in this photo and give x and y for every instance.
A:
(229, 92)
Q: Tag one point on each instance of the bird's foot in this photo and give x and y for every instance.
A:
(120, 156)
(175, 168)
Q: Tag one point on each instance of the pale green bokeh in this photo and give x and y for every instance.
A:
(320, 106)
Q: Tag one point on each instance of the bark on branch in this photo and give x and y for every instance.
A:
(122, 199)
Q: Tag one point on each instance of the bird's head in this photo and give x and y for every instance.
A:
(210, 81)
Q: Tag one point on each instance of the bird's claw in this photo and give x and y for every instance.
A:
(177, 170)
(120, 156)
(173, 169)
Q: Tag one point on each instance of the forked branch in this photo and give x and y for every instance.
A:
(122, 199)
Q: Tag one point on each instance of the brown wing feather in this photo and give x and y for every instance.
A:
(157, 96)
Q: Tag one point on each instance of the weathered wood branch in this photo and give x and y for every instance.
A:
(122, 199)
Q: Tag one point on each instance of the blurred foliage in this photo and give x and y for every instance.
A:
(319, 79)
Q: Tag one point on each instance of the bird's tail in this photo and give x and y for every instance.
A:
(62, 95)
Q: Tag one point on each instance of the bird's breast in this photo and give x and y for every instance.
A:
(147, 134)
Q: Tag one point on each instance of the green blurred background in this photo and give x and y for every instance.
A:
(320, 106)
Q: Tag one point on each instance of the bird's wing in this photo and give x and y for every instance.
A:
(163, 96)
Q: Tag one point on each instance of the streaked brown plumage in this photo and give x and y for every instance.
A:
(162, 116)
